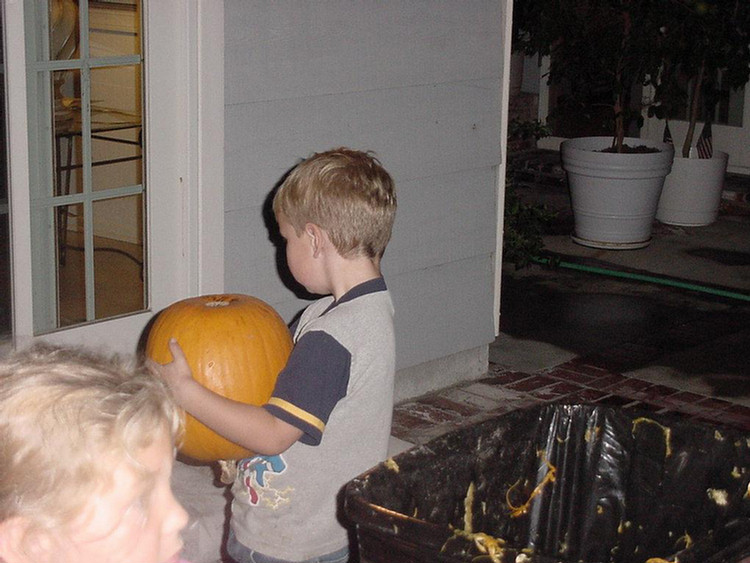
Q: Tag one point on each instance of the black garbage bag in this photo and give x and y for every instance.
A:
(561, 483)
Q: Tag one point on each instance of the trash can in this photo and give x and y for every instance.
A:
(561, 483)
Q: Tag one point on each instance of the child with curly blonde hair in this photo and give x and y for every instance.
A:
(86, 452)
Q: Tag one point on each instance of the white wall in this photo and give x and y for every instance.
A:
(419, 83)
(733, 140)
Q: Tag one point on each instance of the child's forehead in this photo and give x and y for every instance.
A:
(110, 501)
(125, 481)
(138, 468)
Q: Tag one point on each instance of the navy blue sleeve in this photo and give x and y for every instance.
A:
(314, 379)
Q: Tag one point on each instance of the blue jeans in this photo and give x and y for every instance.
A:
(243, 554)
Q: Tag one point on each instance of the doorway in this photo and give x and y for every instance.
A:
(103, 138)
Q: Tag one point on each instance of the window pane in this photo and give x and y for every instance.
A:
(118, 256)
(114, 28)
(63, 30)
(71, 271)
(116, 127)
(68, 149)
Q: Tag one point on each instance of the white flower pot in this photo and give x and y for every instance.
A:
(692, 191)
(614, 196)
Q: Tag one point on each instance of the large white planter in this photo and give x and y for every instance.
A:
(614, 196)
(692, 191)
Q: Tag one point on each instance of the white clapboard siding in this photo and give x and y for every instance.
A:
(417, 132)
(442, 310)
(419, 83)
(291, 49)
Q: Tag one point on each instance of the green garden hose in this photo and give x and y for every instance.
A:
(556, 262)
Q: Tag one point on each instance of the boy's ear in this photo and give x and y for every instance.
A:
(316, 237)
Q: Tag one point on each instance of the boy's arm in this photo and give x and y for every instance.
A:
(249, 426)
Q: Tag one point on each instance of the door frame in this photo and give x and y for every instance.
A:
(194, 176)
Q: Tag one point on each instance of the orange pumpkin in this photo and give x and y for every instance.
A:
(235, 345)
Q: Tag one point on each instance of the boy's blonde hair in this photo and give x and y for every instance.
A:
(67, 416)
(347, 193)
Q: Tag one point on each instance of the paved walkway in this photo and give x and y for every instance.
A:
(586, 379)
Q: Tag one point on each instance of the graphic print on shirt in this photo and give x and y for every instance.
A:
(257, 475)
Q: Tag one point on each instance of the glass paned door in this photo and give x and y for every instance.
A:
(85, 114)
(147, 96)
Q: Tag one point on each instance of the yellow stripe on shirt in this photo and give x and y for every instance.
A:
(298, 413)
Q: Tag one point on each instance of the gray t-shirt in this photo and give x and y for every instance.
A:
(337, 387)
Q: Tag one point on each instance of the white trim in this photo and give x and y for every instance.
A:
(199, 107)
(18, 166)
(168, 185)
(208, 272)
(507, 17)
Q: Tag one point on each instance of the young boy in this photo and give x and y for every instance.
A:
(330, 414)
(86, 458)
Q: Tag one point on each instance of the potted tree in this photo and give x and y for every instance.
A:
(614, 47)
(706, 45)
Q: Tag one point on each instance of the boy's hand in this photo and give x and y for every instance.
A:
(250, 426)
(177, 373)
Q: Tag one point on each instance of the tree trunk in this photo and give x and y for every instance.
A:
(619, 123)
(694, 111)
(622, 98)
